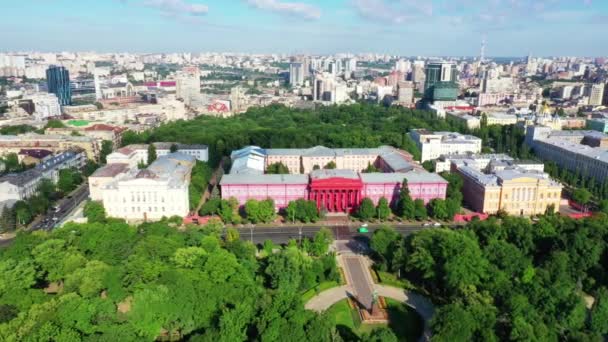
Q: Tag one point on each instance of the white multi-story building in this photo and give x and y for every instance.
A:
(135, 154)
(296, 74)
(160, 190)
(46, 105)
(596, 94)
(434, 144)
(188, 86)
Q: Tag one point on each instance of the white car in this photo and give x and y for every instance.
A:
(437, 224)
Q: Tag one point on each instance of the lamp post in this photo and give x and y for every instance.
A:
(251, 233)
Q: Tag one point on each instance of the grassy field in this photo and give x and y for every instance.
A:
(403, 320)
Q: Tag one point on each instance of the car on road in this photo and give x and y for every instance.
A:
(437, 224)
(363, 229)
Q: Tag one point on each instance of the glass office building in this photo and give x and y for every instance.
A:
(58, 82)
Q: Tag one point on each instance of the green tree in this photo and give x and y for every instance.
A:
(23, 215)
(277, 168)
(370, 168)
(406, 207)
(366, 209)
(599, 312)
(252, 210)
(429, 165)
(106, 148)
(291, 211)
(151, 153)
(321, 242)
(420, 210)
(438, 209)
(383, 211)
(68, 180)
(7, 219)
(330, 166)
(604, 206)
(173, 148)
(94, 212)
(581, 196)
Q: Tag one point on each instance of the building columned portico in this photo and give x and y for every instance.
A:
(336, 190)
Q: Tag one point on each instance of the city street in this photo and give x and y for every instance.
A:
(282, 234)
(64, 206)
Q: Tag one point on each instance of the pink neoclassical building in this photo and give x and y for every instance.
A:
(333, 190)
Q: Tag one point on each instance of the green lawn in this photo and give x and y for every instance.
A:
(403, 320)
(390, 279)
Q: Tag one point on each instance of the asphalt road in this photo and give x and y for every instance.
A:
(282, 234)
(64, 208)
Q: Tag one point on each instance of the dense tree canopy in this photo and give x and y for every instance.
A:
(507, 279)
(359, 125)
(114, 282)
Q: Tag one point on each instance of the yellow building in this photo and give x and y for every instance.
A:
(516, 190)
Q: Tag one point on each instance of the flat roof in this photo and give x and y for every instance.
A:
(412, 177)
(263, 179)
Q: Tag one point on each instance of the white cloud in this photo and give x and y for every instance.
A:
(177, 7)
(296, 9)
(396, 12)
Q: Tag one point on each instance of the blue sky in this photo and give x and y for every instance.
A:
(406, 27)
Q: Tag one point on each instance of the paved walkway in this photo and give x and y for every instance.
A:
(361, 286)
(327, 298)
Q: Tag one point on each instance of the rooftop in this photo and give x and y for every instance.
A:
(263, 179)
(111, 170)
(337, 173)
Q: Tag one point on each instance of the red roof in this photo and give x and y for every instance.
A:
(104, 127)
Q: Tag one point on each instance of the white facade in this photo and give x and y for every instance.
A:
(432, 145)
(296, 74)
(161, 190)
(45, 105)
(596, 94)
(145, 199)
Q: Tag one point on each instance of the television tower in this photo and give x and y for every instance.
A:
(482, 55)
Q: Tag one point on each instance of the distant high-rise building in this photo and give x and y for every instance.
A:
(237, 99)
(440, 83)
(351, 66)
(596, 94)
(405, 94)
(188, 85)
(58, 83)
(296, 74)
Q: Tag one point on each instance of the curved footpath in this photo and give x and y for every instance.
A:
(324, 300)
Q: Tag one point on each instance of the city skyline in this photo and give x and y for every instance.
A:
(405, 27)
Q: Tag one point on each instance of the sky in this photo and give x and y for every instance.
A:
(396, 27)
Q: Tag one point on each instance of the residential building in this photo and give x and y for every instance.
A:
(54, 142)
(296, 74)
(45, 105)
(23, 185)
(596, 94)
(434, 144)
(33, 156)
(58, 83)
(405, 93)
